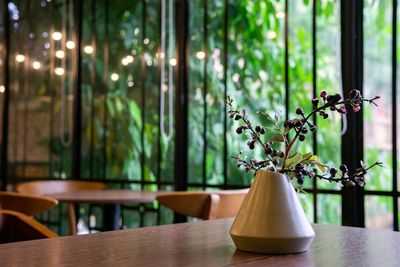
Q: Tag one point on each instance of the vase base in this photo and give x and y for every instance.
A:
(272, 245)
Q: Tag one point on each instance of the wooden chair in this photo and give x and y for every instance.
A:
(16, 226)
(56, 187)
(203, 204)
(27, 204)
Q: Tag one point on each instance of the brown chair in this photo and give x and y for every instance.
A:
(16, 226)
(27, 204)
(203, 204)
(56, 187)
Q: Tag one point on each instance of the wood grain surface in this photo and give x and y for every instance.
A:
(205, 243)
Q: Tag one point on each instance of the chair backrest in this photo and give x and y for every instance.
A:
(204, 204)
(15, 226)
(48, 187)
(27, 204)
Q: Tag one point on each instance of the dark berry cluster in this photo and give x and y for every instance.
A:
(304, 166)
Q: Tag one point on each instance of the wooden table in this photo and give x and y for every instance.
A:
(111, 198)
(205, 243)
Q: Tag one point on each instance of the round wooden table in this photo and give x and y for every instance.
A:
(112, 200)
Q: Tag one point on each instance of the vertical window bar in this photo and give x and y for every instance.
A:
(77, 127)
(93, 82)
(159, 158)
(352, 77)
(6, 103)
(105, 82)
(205, 91)
(143, 91)
(314, 93)
(394, 114)
(286, 59)
(51, 88)
(226, 2)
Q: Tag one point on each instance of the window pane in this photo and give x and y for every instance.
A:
(378, 212)
(329, 209)
(377, 81)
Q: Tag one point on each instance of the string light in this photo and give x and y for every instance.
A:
(114, 77)
(200, 55)
(59, 71)
(20, 58)
(2, 89)
(70, 44)
(36, 65)
(172, 62)
(57, 36)
(271, 35)
(280, 15)
(129, 58)
(88, 49)
(60, 54)
(124, 61)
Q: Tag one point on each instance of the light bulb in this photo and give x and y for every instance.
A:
(70, 44)
(2, 89)
(114, 77)
(59, 71)
(88, 49)
(200, 55)
(172, 62)
(124, 61)
(36, 65)
(129, 59)
(57, 36)
(280, 15)
(60, 54)
(271, 35)
(20, 58)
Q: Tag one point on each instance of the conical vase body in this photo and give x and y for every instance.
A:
(271, 219)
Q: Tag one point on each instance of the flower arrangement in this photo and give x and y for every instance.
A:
(277, 147)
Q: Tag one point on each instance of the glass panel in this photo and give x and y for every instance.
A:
(329, 209)
(300, 67)
(255, 71)
(307, 200)
(197, 89)
(215, 97)
(377, 81)
(378, 212)
(328, 78)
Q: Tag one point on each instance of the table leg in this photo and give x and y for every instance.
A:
(111, 217)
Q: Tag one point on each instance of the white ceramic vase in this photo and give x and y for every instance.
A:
(271, 219)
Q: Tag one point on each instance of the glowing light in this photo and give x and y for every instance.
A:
(129, 58)
(57, 36)
(146, 41)
(161, 55)
(235, 77)
(280, 15)
(70, 44)
(114, 77)
(36, 65)
(271, 35)
(201, 55)
(172, 61)
(88, 49)
(20, 58)
(124, 61)
(59, 71)
(2, 89)
(60, 54)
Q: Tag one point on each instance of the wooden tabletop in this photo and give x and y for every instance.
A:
(205, 243)
(107, 196)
